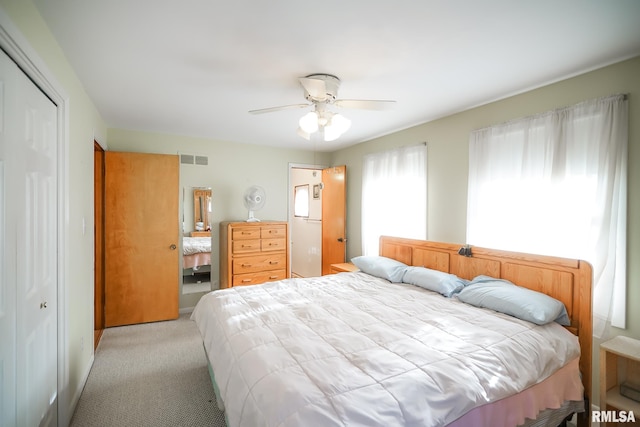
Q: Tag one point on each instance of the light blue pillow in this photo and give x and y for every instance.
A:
(379, 266)
(438, 281)
(505, 297)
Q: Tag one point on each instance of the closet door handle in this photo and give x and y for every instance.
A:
(173, 247)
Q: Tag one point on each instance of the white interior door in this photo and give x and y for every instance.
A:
(306, 227)
(28, 297)
(7, 260)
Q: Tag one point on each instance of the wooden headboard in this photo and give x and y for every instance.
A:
(567, 280)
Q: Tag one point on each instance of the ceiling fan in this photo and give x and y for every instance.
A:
(321, 90)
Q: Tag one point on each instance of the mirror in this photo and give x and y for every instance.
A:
(196, 240)
(202, 209)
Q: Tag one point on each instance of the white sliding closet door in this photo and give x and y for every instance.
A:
(28, 256)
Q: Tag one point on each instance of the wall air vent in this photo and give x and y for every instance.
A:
(202, 160)
(191, 159)
(186, 159)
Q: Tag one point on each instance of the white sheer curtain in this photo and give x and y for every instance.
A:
(394, 195)
(556, 184)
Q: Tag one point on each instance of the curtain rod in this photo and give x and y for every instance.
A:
(624, 96)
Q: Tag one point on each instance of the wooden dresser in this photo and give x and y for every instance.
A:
(253, 252)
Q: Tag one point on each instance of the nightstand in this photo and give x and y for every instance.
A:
(619, 363)
(343, 267)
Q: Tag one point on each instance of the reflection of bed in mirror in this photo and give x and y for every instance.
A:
(196, 264)
(196, 244)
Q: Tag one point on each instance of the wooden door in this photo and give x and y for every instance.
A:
(29, 251)
(141, 238)
(334, 217)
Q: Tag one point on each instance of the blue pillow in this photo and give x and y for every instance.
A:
(434, 280)
(379, 266)
(505, 297)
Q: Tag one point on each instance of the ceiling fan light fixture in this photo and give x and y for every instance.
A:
(321, 90)
(304, 134)
(309, 123)
(338, 125)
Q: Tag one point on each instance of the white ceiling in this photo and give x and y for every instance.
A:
(196, 67)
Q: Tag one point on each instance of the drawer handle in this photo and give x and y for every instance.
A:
(246, 265)
(273, 277)
(274, 262)
(246, 280)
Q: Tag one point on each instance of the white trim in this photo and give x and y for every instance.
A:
(100, 139)
(76, 395)
(20, 51)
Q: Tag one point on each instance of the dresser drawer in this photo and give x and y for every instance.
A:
(256, 278)
(245, 233)
(245, 246)
(259, 263)
(273, 232)
(273, 244)
(253, 252)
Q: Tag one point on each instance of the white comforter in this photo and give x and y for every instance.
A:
(352, 349)
(196, 245)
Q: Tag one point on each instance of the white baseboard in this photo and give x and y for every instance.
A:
(76, 395)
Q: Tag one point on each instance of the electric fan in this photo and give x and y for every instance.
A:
(254, 199)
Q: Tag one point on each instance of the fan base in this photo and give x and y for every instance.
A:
(252, 218)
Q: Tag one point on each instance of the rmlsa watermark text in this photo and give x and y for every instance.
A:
(613, 417)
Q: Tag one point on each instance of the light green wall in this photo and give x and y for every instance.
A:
(448, 141)
(84, 124)
(231, 170)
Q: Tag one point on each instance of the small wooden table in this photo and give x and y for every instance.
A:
(200, 234)
(619, 362)
(343, 267)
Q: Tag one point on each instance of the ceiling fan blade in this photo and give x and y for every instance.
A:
(280, 108)
(317, 88)
(365, 104)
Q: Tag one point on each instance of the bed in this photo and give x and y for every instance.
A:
(356, 349)
(196, 252)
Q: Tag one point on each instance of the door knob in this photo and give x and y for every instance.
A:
(173, 247)
(43, 305)
(340, 239)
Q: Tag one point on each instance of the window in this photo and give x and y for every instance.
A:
(394, 195)
(301, 201)
(555, 184)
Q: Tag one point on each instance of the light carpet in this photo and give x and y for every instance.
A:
(153, 374)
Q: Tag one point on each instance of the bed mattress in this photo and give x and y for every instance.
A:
(195, 245)
(352, 349)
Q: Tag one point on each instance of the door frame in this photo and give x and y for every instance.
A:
(29, 61)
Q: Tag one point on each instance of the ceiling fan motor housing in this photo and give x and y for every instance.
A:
(331, 84)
